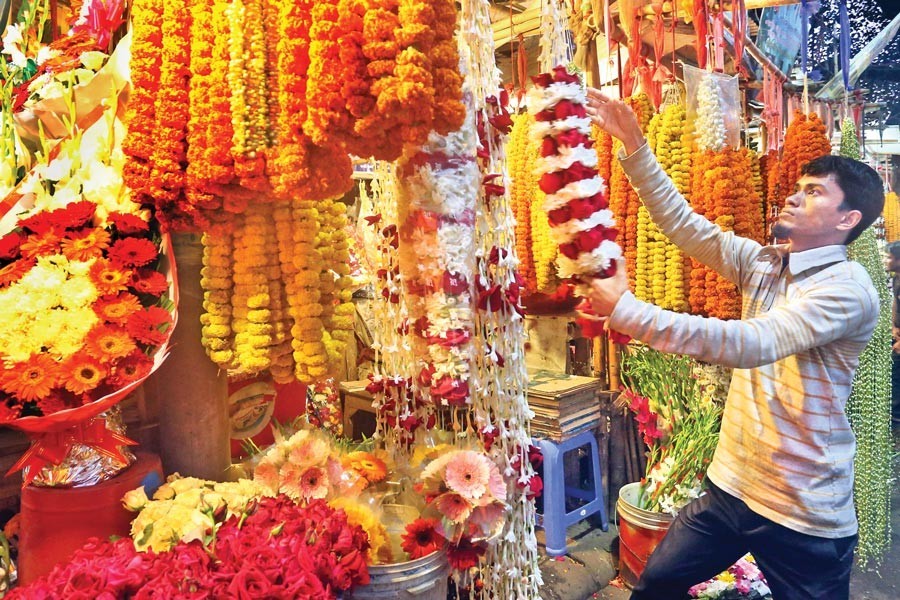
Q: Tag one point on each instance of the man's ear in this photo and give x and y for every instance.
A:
(849, 220)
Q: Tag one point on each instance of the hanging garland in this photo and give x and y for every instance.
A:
(804, 140)
(869, 405)
(523, 184)
(891, 217)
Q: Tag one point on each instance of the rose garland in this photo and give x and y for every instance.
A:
(869, 405)
(140, 115)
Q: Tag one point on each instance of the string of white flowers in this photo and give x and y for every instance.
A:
(556, 48)
(500, 408)
(710, 124)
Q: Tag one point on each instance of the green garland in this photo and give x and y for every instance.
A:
(869, 406)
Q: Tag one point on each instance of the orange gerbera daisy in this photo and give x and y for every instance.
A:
(14, 271)
(117, 309)
(82, 373)
(85, 244)
(32, 379)
(109, 342)
(41, 244)
(367, 464)
(422, 538)
(109, 279)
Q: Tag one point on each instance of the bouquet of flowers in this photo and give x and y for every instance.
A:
(278, 550)
(678, 408)
(742, 581)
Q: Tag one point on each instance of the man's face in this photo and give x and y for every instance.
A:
(893, 263)
(811, 216)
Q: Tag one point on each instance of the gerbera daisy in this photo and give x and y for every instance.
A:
(76, 214)
(9, 245)
(41, 244)
(148, 281)
(82, 373)
(52, 403)
(109, 342)
(117, 309)
(38, 223)
(313, 483)
(127, 224)
(109, 278)
(85, 244)
(149, 326)
(421, 538)
(131, 368)
(309, 451)
(367, 464)
(468, 474)
(132, 252)
(14, 271)
(465, 554)
(32, 379)
(453, 506)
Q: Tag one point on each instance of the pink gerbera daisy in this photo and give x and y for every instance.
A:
(453, 506)
(468, 473)
(314, 483)
(309, 451)
(266, 474)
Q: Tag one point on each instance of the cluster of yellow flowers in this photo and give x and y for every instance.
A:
(338, 311)
(523, 183)
(891, 217)
(661, 265)
(623, 200)
(216, 281)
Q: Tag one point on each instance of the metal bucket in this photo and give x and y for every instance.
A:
(640, 532)
(421, 579)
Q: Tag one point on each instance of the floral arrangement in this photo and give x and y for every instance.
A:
(742, 581)
(576, 203)
(279, 550)
(678, 410)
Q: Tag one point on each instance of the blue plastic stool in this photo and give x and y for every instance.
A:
(555, 519)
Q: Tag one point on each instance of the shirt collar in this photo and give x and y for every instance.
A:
(807, 259)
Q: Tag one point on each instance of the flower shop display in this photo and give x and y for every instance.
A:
(317, 554)
(869, 405)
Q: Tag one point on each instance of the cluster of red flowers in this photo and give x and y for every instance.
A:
(645, 418)
(423, 537)
(117, 350)
(282, 550)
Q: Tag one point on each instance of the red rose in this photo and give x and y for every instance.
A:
(454, 337)
(425, 375)
(85, 584)
(581, 208)
(559, 216)
(578, 171)
(588, 240)
(569, 250)
(454, 283)
(545, 115)
(567, 108)
(9, 246)
(571, 138)
(454, 392)
(548, 147)
(542, 80)
(250, 583)
(551, 183)
(535, 486)
(562, 75)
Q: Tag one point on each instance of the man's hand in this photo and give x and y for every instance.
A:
(605, 293)
(615, 118)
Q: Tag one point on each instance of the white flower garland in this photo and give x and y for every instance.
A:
(710, 124)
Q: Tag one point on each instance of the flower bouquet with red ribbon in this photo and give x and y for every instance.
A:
(576, 203)
(87, 305)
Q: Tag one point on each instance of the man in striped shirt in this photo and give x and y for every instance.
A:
(781, 481)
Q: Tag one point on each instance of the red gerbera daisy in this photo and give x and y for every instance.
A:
(464, 555)
(82, 373)
(127, 224)
(148, 281)
(32, 379)
(133, 252)
(117, 309)
(109, 342)
(109, 279)
(149, 326)
(85, 244)
(38, 223)
(53, 402)
(131, 368)
(41, 244)
(9, 245)
(421, 538)
(74, 215)
(14, 271)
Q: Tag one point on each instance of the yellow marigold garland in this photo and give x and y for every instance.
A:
(140, 115)
(522, 186)
(891, 217)
(282, 367)
(310, 355)
(217, 283)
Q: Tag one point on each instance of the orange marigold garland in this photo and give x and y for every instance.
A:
(169, 155)
(140, 116)
(804, 140)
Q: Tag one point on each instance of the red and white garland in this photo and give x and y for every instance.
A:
(576, 202)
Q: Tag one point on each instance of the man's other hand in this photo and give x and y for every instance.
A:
(605, 293)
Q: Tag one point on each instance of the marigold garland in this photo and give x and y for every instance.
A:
(891, 217)
(804, 140)
(523, 184)
(217, 283)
